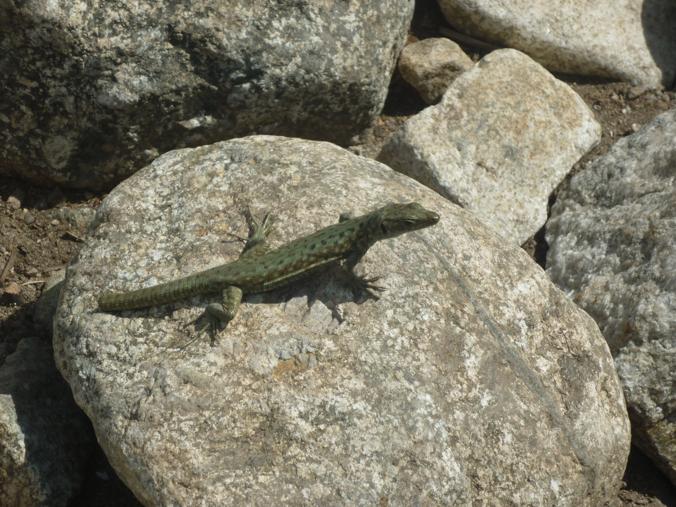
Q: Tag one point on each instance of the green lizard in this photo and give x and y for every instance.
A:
(260, 270)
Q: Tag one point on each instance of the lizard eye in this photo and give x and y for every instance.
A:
(383, 228)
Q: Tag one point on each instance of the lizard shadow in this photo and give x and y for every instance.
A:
(332, 286)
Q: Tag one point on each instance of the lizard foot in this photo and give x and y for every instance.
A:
(209, 323)
(258, 231)
(368, 286)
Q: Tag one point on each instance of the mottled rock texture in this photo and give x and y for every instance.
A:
(612, 238)
(43, 313)
(92, 91)
(503, 137)
(473, 380)
(631, 40)
(45, 439)
(431, 65)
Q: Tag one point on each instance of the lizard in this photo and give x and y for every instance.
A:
(259, 269)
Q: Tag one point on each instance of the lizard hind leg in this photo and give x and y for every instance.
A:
(218, 315)
(222, 313)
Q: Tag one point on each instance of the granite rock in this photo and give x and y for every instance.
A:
(472, 380)
(612, 247)
(503, 137)
(431, 65)
(631, 40)
(95, 90)
(45, 440)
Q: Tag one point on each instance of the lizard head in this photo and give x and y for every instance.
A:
(396, 219)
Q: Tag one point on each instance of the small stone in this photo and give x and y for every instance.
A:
(13, 202)
(28, 218)
(636, 91)
(77, 217)
(431, 65)
(55, 222)
(12, 289)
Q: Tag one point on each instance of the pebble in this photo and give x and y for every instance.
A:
(636, 91)
(13, 202)
(28, 218)
(12, 288)
(77, 217)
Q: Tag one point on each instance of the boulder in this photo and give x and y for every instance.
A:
(630, 40)
(612, 247)
(45, 440)
(93, 91)
(503, 137)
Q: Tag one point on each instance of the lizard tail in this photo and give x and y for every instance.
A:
(152, 296)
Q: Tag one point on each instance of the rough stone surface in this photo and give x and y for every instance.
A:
(44, 438)
(612, 238)
(94, 90)
(431, 65)
(45, 307)
(472, 380)
(631, 40)
(503, 137)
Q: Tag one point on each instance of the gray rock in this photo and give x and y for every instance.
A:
(472, 380)
(431, 65)
(44, 439)
(13, 203)
(79, 218)
(612, 238)
(45, 306)
(631, 40)
(93, 91)
(503, 137)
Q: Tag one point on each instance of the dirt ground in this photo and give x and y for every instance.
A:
(41, 229)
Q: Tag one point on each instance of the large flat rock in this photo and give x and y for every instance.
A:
(472, 380)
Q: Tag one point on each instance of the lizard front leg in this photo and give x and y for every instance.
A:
(361, 283)
(256, 243)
